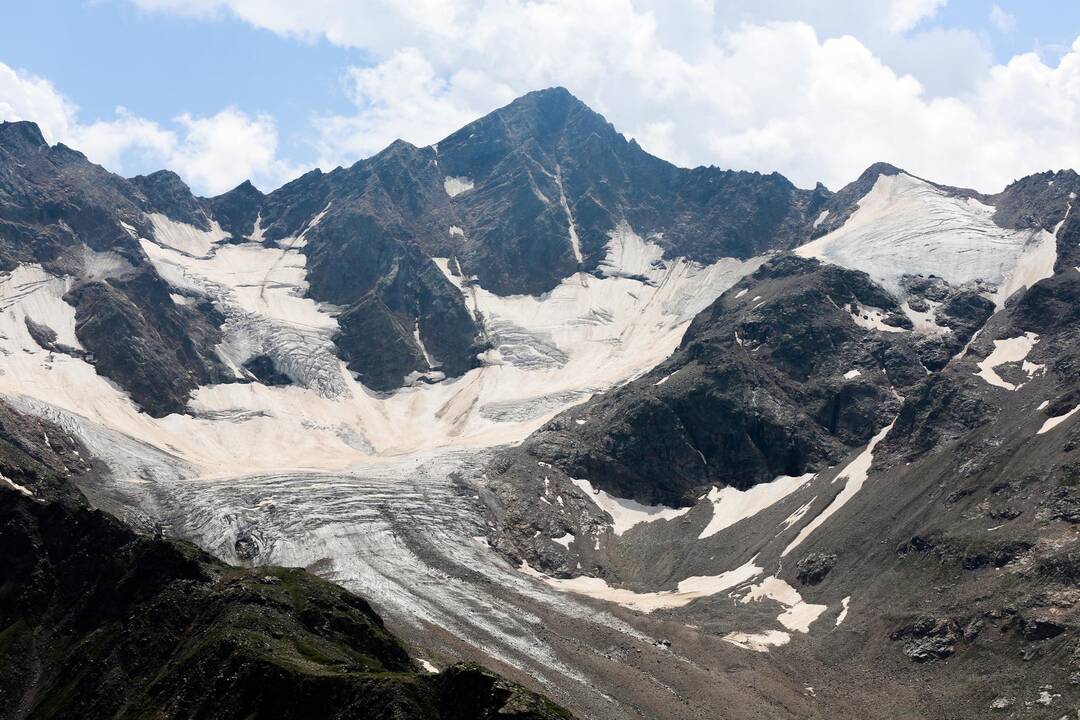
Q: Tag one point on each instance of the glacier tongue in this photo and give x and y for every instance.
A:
(357, 485)
(905, 225)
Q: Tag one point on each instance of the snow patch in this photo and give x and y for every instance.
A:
(454, 186)
(16, 487)
(575, 242)
(687, 591)
(924, 322)
(730, 505)
(624, 513)
(872, 318)
(852, 374)
(758, 642)
(821, 218)
(798, 515)
(855, 474)
(1006, 351)
(565, 540)
(843, 610)
(664, 379)
(798, 614)
(431, 363)
(1053, 422)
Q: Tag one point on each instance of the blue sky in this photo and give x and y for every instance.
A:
(329, 81)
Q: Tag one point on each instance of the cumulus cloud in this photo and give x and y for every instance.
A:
(213, 153)
(1002, 20)
(750, 86)
(906, 14)
(404, 97)
(25, 97)
(218, 152)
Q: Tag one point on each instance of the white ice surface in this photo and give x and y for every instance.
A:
(30, 292)
(852, 374)
(185, 238)
(906, 225)
(550, 351)
(731, 505)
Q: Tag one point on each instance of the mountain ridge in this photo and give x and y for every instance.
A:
(550, 401)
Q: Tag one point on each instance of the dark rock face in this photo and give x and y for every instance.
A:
(928, 638)
(99, 622)
(1039, 200)
(237, 210)
(813, 568)
(262, 367)
(54, 206)
(846, 200)
(53, 199)
(755, 390)
(548, 146)
(157, 350)
(167, 194)
(538, 172)
(402, 314)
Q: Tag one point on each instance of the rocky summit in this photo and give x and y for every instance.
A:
(530, 423)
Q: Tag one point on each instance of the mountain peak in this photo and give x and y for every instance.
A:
(21, 136)
(246, 188)
(879, 168)
(168, 194)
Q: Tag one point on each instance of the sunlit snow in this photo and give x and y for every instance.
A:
(454, 186)
(1006, 351)
(731, 505)
(908, 226)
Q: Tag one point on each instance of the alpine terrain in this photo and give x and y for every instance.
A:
(531, 419)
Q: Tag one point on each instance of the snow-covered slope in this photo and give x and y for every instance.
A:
(547, 352)
(907, 226)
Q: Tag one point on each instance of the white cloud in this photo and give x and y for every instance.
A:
(403, 97)
(906, 14)
(727, 82)
(216, 153)
(25, 97)
(1002, 20)
(112, 143)
(212, 154)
